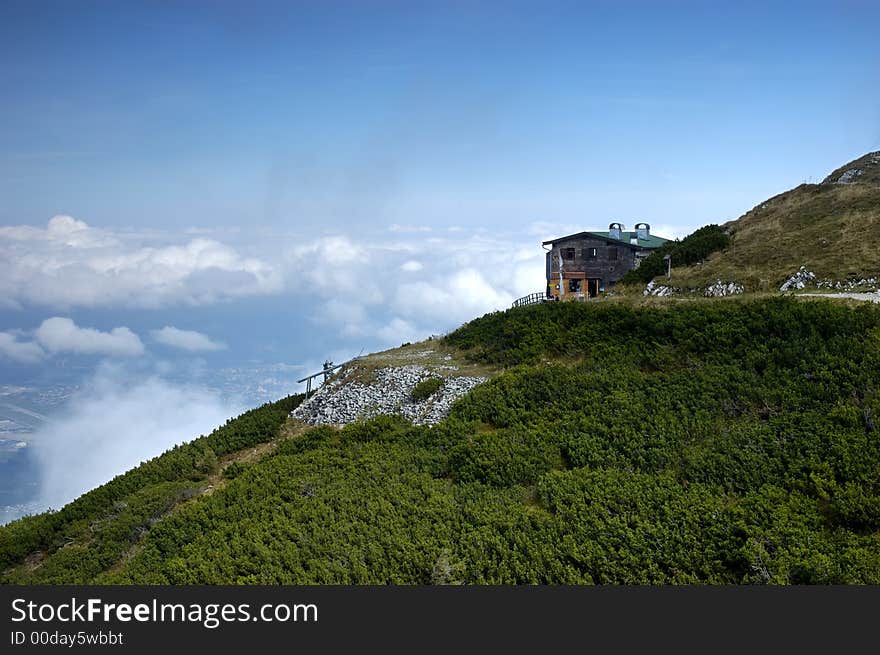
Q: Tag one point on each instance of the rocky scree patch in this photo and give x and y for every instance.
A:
(345, 399)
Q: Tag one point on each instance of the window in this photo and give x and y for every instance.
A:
(591, 253)
(568, 253)
(612, 253)
(574, 285)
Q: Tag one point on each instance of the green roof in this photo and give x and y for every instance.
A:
(625, 236)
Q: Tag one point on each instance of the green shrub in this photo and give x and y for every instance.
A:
(425, 389)
(502, 458)
(234, 470)
(692, 249)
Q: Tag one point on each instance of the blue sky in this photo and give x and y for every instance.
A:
(323, 115)
(190, 187)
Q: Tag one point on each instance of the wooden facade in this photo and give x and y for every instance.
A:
(590, 262)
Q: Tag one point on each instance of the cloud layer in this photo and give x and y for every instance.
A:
(370, 287)
(58, 334)
(70, 264)
(406, 288)
(61, 335)
(189, 340)
(22, 352)
(114, 424)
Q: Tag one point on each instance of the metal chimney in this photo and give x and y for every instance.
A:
(615, 230)
(643, 231)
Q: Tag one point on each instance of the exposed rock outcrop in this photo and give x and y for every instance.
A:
(799, 280)
(804, 278)
(719, 289)
(660, 290)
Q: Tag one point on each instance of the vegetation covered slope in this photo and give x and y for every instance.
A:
(701, 442)
(831, 228)
(100, 527)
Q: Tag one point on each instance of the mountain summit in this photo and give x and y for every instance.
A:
(864, 170)
(829, 228)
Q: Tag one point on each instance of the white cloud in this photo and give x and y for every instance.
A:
(674, 231)
(70, 264)
(64, 230)
(394, 227)
(113, 425)
(332, 250)
(186, 339)
(381, 289)
(337, 268)
(457, 297)
(399, 331)
(528, 277)
(354, 283)
(59, 334)
(349, 318)
(550, 230)
(25, 352)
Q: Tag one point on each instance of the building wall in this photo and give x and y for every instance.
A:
(583, 266)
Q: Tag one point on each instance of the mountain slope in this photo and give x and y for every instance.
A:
(699, 442)
(831, 228)
(100, 527)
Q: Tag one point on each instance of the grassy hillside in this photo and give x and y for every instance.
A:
(831, 228)
(699, 442)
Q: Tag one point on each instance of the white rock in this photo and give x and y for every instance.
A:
(798, 280)
(849, 176)
(659, 290)
(345, 400)
(719, 289)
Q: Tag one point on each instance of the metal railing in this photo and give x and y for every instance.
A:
(329, 367)
(531, 299)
